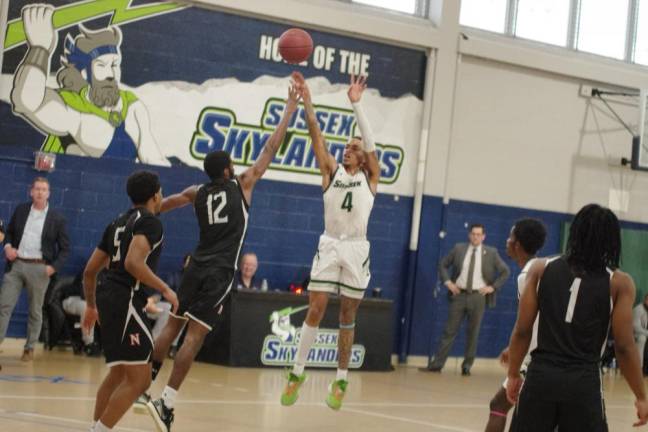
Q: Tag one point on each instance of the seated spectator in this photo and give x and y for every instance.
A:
(245, 277)
(158, 311)
(640, 324)
(2, 231)
(73, 301)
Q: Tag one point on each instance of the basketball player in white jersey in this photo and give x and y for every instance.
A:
(526, 238)
(576, 298)
(341, 264)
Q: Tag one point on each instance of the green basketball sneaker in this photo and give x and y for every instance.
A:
(337, 389)
(291, 391)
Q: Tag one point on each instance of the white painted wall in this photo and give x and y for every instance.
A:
(527, 138)
(520, 135)
(516, 130)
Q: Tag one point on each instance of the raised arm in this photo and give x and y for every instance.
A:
(372, 166)
(187, 196)
(30, 95)
(325, 159)
(251, 175)
(623, 293)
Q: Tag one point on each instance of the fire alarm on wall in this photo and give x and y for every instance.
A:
(44, 161)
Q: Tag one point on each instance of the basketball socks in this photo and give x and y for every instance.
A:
(100, 427)
(341, 375)
(155, 369)
(306, 340)
(169, 397)
(88, 338)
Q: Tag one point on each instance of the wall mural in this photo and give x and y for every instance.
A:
(164, 84)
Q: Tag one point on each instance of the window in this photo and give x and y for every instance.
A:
(602, 28)
(543, 20)
(641, 47)
(408, 6)
(484, 14)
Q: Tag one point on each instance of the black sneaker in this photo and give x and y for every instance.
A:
(93, 349)
(162, 416)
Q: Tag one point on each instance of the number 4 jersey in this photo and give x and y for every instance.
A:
(347, 205)
(222, 214)
(341, 264)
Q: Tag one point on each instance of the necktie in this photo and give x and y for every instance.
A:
(471, 270)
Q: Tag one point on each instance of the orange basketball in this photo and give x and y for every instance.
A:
(295, 45)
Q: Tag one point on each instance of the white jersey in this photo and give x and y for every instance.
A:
(347, 205)
(521, 285)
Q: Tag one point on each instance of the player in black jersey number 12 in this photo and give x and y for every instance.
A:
(221, 207)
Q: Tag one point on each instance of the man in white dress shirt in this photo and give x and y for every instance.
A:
(36, 246)
(472, 272)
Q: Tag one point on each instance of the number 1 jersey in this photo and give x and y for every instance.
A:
(222, 214)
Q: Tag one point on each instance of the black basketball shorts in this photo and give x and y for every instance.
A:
(570, 399)
(125, 333)
(203, 290)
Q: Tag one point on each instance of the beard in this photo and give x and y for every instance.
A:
(104, 93)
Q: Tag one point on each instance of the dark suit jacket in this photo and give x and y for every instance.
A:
(55, 243)
(494, 269)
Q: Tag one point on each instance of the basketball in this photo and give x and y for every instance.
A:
(295, 45)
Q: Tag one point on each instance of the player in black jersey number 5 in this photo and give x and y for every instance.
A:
(130, 249)
(221, 207)
(576, 298)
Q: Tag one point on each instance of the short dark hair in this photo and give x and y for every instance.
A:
(530, 233)
(142, 186)
(215, 164)
(594, 243)
(476, 225)
(39, 179)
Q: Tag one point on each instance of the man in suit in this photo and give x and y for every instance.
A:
(472, 272)
(36, 246)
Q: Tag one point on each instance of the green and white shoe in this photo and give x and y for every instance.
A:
(291, 391)
(337, 389)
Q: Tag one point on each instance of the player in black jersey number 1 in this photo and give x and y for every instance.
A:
(576, 297)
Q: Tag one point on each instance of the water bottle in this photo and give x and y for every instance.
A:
(264, 285)
(613, 365)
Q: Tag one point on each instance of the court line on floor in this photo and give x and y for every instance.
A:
(35, 417)
(259, 402)
(407, 420)
(273, 402)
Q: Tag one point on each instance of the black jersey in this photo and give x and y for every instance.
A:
(574, 315)
(222, 214)
(117, 238)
